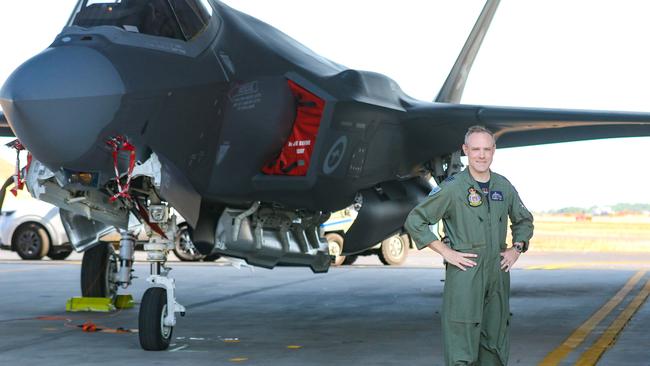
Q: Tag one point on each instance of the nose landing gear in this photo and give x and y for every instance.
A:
(158, 308)
(157, 315)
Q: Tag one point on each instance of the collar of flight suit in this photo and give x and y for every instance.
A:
(468, 178)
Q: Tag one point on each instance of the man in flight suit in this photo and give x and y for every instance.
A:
(475, 205)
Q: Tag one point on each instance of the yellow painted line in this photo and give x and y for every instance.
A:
(553, 266)
(47, 263)
(579, 335)
(238, 359)
(593, 354)
(608, 264)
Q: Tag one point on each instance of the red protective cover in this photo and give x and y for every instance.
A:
(296, 153)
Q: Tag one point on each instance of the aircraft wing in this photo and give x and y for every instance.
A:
(530, 126)
(518, 126)
(5, 130)
(515, 126)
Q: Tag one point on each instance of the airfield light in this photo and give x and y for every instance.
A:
(82, 178)
(85, 178)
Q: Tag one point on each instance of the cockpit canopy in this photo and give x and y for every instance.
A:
(178, 19)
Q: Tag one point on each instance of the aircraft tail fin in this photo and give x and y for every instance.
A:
(452, 89)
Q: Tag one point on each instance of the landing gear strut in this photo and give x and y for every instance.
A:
(158, 308)
(103, 270)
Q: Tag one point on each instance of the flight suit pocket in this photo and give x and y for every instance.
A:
(503, 230)
(463, 294)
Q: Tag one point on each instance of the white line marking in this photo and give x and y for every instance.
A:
(179, 348)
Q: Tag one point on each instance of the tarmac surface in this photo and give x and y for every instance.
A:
(565, 308)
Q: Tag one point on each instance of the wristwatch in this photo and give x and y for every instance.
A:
(519, 247)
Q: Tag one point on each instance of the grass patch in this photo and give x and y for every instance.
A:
(601, 233)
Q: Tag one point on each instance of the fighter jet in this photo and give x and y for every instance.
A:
(139, 107)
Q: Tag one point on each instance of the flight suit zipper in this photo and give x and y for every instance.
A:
(489, 220)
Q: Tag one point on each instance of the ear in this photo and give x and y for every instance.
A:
(465, 149)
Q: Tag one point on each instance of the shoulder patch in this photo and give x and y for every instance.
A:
(450, 178)
(434, 191)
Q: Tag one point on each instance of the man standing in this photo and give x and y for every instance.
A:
(475, 205)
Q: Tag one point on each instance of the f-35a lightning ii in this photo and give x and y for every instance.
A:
(141, 106)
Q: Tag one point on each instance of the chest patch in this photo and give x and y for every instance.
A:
(496, 196)
(473, 198)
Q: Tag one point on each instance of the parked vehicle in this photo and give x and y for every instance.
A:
(392, 251)
(33, 229)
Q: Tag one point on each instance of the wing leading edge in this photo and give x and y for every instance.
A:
(531, 126)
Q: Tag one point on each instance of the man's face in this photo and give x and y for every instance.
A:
(479, 150)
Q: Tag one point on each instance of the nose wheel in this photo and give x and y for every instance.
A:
(157, 316)
(154, 334)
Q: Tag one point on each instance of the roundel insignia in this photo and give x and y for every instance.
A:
(335, 155)
(473, 197)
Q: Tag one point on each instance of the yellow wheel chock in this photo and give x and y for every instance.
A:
(98, 304)
(124, 301)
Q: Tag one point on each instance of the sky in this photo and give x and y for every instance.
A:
(555, 54)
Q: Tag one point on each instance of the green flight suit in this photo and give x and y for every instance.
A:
(476, 310)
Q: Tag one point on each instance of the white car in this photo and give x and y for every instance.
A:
(33, 229)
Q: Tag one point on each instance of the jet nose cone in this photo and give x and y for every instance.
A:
(59, 101)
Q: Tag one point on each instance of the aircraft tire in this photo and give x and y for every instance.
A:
(336, 240)
(181, 245)
(60, 255)
(31, 241)
(154, 336)
(98, 266)
(211, 257)
(350, 259)
(394, 250)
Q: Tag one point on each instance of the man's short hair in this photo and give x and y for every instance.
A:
(478, 129)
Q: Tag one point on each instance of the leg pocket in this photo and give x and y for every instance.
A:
(464, 293)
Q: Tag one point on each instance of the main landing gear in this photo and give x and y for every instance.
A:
(103, 270)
